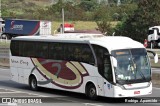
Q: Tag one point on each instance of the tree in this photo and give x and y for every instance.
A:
(104, 26)
(103, 19)
(137, 24)
(88, 5)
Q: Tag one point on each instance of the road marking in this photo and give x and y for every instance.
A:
(67, 100)
(91, 104)
(86, 104)
(74, 101)
(155, 69)
(8, 92)
(156, 88)
(4, 68)
(15, 91)
(8, 104)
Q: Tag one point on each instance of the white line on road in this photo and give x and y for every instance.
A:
(8, 104)
(156, 88)
(74, 101)
(8, 92)
(15, 91)
(91, 104)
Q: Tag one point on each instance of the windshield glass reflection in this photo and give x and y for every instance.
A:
(133, 66)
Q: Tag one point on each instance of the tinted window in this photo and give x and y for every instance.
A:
(79, 52)
(14, 48)
(41, 50)
(103, 61)
(151, 31)
(71, 52)
(56, 51)
(28, 49)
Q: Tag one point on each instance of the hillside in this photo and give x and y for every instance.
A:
(22, 8)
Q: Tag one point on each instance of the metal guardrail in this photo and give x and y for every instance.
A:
(4, 52)
(4, 40)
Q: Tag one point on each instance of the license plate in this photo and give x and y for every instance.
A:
(136, 92)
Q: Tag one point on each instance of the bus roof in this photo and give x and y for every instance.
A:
(109, 42)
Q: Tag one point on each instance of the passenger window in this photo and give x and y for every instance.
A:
(29, 49)
(15, 48)
(56, 51)
(42, 50)
(78, 52)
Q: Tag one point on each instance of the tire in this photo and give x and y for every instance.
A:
(154, 44)
(6, 36)
(91, 92)
(3, 36)
(33, 83)
(9, 37)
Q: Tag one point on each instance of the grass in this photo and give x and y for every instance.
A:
(155, 65)
(41, 3)
(4, 44)
(158, 52)
(78, 25)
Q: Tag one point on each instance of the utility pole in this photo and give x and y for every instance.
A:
(118, 2)
(0, 9)
(62, 20)
(98, 1)
(107, 2)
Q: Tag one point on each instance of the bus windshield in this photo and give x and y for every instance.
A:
(132, 66)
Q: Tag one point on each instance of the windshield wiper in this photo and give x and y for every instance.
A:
(135, 67)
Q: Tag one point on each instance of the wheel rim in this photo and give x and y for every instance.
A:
(92, 92)
(33, 83)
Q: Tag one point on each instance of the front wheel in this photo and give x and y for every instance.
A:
(91, 92)
(33, 83)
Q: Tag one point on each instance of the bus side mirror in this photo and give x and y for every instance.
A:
(114, 60)
(156, 58)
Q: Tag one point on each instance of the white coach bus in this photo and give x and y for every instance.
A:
(93, 64)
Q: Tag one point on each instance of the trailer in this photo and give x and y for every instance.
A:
(19, 27)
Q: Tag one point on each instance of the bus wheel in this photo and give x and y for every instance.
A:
(91, 91)
(33, 83)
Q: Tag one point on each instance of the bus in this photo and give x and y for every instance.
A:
(93, 64)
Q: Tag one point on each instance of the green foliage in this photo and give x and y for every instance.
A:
(88, 5)
(105, 27)
(137, 24)
(85, 10)
(105, 14)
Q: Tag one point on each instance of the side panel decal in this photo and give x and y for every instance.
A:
(65, 74)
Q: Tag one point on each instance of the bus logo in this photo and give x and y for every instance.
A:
(65, 74)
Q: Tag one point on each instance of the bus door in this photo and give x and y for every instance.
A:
(108, 88)
(104, 69)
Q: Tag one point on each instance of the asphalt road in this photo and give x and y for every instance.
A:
(51, 97)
